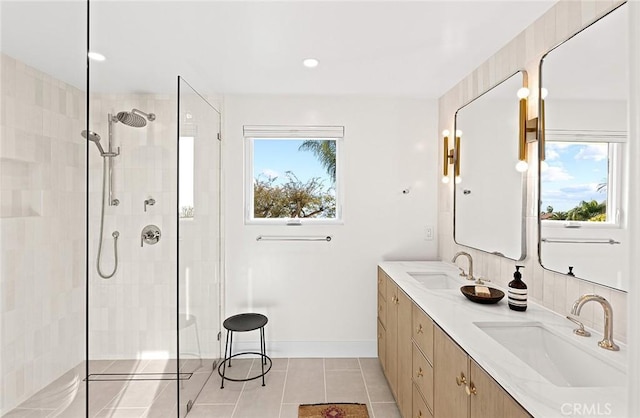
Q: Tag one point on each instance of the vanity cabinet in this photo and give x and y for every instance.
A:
(463, 389)
(395, 352)
(428, 373)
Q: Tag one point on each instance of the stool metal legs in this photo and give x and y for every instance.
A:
(263, 353)
(224, 360)
(228, 354)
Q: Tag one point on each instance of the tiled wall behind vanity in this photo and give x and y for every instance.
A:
(42, 212)
(555, 291)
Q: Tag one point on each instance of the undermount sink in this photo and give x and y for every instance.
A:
(433, 280)
(553, 356)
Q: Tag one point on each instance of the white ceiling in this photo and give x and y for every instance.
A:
(382, 48)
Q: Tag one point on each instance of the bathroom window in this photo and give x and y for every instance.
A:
(581, 182)
(293, 174)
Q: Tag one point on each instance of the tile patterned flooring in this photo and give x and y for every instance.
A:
(289, 383)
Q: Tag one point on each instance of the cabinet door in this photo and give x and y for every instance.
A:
(450, 369)
(488, 399)
(404, 354)
(391, 337)
(512, 409)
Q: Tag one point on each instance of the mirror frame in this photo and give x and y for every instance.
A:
(523, 197)
(541, 144)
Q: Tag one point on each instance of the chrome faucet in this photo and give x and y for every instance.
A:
(463, 274)
(607, 340)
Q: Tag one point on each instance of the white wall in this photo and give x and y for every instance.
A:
(321, 297)
(42, 258)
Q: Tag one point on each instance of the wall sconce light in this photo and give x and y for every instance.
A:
(522, 164)
(543, 96)
(456, 157)
(448, 157)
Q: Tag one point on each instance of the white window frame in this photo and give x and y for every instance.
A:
(616, 141)
(258, 132)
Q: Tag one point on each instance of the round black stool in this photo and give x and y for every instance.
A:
(243, 323)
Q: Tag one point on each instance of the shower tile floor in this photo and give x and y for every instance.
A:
(290, 382)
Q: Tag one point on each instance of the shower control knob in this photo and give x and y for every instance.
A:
(150, 235)
(150, 202)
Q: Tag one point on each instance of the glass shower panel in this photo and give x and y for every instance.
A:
(43, 91)
(132, 248)
(198, 242)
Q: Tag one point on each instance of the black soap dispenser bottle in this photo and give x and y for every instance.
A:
(517, 292)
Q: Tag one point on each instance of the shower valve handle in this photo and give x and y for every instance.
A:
(150, 235)
(150, 201)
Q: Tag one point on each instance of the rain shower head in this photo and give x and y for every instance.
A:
(95, 138)
(135, 118)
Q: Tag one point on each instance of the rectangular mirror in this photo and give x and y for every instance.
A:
(489, 198)
(583, 188)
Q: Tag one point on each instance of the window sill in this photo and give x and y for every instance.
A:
(287, 223)
(580, 225)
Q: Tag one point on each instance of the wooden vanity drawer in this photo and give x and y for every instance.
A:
(382, 282)
(422, 375)
(381, 346)
(382, 310)
(422, 332)
(420, 408)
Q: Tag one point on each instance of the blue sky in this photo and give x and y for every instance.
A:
(273, 157)
(572, 174)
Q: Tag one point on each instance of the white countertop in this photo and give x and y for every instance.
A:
(456, 315)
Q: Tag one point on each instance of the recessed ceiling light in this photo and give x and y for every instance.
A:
(96, 56)
(310, 62)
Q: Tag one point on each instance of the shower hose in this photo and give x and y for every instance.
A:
(115, 233)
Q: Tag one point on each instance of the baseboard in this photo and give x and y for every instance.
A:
(311, 349)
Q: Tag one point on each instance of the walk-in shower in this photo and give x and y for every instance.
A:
(143, 342)
(137, 119)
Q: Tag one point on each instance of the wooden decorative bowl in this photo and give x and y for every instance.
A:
(470, 292)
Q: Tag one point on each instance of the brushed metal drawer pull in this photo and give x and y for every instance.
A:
(471, 389)
(461, 380)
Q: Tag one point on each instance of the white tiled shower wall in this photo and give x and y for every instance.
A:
(133, 314)
(42, 174)
(555, 291)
